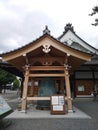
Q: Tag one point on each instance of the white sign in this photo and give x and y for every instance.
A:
(54, 100)
(57, 108)
(81, 88)
(61, 100)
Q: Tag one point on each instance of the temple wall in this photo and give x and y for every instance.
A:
(84, 87)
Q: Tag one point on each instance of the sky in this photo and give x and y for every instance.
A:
(23, 21)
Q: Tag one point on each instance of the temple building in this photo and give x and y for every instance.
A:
(85, 79)
(66, 65)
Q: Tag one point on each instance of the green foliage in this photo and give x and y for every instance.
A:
(95, 11)
(16, 84)
(6, 77)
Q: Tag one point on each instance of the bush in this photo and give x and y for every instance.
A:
(16, 84)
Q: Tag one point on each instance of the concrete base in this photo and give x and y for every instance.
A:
(70, 111)
(32, 112)
(23, 111)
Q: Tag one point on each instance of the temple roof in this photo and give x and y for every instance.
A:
(12, 69)
(46, 33)
(69, 37)
(19, 57)
(94, 61)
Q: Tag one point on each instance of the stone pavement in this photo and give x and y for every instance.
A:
(33, 113)
(85, 117)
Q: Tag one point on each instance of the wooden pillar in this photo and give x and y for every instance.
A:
(25, 90)
(68, 91)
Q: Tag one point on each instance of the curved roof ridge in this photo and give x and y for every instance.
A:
(70, 27)
(42, 36)
(27, 44)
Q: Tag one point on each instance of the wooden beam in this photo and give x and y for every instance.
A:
(26, 59)
(25, 89)
(46, 75)
(40, 98)
(37, 68)
(68, 91)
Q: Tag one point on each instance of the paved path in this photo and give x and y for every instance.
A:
(86, 105)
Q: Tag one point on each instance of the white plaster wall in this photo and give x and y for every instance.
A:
(70, 35)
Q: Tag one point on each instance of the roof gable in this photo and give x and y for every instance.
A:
(36, 51)
(69, 36)
(45, 39)
(79, 47)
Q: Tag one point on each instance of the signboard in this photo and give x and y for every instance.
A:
(57, 108)
(81, 88)
(5, 109)
(58, 104)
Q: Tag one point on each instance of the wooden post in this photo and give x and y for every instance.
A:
(25, 90)
(68, 91)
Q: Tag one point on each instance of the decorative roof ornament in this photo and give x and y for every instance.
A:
(24, 54)
(46, 30)
(66, 65)
(69, 27)
(46, 48)
(69, 41)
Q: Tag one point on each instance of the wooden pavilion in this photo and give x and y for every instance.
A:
(46, 57)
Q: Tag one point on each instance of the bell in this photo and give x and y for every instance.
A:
(46, 89)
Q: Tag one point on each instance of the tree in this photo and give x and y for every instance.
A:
(95, 11)
(16, 84)
(5, 78)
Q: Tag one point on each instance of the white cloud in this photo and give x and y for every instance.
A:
(22, 21)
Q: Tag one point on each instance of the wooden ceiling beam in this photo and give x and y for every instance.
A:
(46, 75)
(26, 59)
(38, 68)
